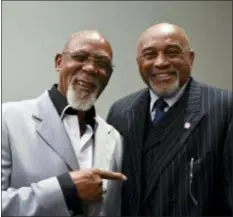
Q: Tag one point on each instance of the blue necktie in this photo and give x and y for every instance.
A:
(159, 105)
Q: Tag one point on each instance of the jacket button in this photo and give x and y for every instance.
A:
(71, 212)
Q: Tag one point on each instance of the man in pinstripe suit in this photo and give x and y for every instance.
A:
(178, 146)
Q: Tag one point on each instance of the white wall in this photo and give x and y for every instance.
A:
(32, 33)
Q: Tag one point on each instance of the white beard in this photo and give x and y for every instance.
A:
(165, 90)
(83, 101)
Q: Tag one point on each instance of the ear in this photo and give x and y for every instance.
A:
(137, 59)
(191, 57)
(138, 63)
(58, 62)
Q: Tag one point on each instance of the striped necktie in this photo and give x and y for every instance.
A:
(159, 105)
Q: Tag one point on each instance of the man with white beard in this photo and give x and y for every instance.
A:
(59, 158)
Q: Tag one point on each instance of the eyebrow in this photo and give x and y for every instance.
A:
(148, 48)
(152, 48)
(98, 56)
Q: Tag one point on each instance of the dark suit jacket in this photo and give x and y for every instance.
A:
(180, 188)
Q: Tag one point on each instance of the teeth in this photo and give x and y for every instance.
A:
(83, 83)
(163, 75)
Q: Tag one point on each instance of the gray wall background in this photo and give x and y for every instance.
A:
(32, 33)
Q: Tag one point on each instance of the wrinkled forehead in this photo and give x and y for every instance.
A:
(92, 44)
(161, 40)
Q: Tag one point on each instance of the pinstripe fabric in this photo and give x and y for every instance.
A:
(171, 190)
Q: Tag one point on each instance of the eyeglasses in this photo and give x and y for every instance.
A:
(102, 63)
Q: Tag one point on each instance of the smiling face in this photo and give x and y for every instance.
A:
(164, 59)
(85, 67)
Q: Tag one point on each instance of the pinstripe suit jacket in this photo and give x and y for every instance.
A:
(180, 188)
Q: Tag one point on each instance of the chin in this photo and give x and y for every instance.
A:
(165, 90)
(82, 101)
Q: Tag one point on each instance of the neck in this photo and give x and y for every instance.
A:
(61, 90)
(81, 114)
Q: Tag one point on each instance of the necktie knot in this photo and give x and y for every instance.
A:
(160, 104)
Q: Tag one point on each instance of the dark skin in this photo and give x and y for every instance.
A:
(89, 54)
(84, 44)
(89, 182)
(164, 49)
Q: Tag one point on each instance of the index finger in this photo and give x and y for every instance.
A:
(111, 175)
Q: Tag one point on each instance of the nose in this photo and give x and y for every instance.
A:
(161, 61)
(89, 66)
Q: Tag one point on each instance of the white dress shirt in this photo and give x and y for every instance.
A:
(82, 145)
(170, 101)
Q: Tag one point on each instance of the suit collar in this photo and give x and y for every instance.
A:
(171, 100)
(137, 117)
(139, 101)
(51, 129)
(61, 105)
(181, 127)
(104, 144)
(194, 96)
(59, 101)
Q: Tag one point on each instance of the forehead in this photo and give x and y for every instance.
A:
(161, 40)
(93, 45)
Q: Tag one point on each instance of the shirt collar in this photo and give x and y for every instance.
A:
(61, 104)
(170, 101)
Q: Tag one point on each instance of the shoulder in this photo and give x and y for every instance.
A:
(216, 93)
(108, 127)
(15, 108)
(129, 100)
(26, 107)
(216, 100)
(214, 89)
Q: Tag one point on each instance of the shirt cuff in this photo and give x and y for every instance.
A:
(72, 199)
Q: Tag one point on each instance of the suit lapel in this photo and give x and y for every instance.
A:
(137, 117)
(51, 129)
(180, 128)
(104, 147)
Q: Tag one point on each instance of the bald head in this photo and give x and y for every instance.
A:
(165, 30)
(164, 58)
(90, 35)
(85, 67)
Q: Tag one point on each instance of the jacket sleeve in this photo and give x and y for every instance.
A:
(228, 168)
(109, 115)
(42, 198)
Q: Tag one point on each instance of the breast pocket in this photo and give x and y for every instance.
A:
(194, 165)
(199, 171)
